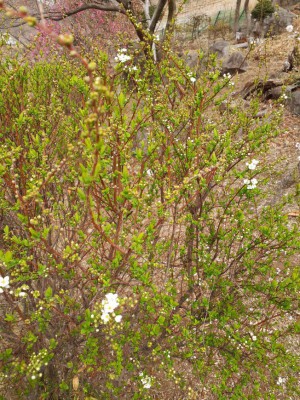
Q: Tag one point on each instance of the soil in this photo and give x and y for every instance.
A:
(266, 60)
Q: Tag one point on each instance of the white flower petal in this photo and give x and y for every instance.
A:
(118, 318)
(105, 317)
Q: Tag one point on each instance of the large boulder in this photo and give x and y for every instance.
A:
(294, 102)
(220, 48)
(278, 21)
(236, 62)
(273, 24)
(192, 58)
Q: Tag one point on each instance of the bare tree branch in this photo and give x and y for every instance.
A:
(58, 16)
(171, 14)
(157, 13)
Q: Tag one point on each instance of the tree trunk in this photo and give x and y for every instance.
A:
(248, 16)
(237, 15)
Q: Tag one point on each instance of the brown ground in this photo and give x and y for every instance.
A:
(266, 60)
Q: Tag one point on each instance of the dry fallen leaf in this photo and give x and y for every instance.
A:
(75, 382)
(294, 214)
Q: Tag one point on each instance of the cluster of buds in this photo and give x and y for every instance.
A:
(36, 363)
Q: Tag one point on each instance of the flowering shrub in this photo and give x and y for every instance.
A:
(149, 268)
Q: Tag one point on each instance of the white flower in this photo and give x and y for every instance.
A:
(112, 299)
(289, 28)
(118, 318)
(108, 308)
(227, 76)
(22, 294)
(121, 57)
(105, 317)
(253, 164)
(193, 79)
(146, 381)
(4, 283)
(251, 183)
(254, 181)
(33, 377)
(280, 380)
(298, 146)
(110, 303)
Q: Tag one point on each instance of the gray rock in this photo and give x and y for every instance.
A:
(234, 63)
(230, 105)
(294, 102)
(288, 180)
(287, 66)
(243, 45)
(192, 58)
(294, 58)
(274, 93)
(265, 87)
(273, 24)
(261, 114)
(278, 21)
(220, 48)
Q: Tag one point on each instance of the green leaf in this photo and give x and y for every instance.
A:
(122, 99)
(48, 293)
(81, 194)
(10, 318)
(8, 256)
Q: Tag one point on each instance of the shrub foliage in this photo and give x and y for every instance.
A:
(126, 182)
(263, 9)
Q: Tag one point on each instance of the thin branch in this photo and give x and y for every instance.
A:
(61, 15)
(171, 14)
(58, 16)
(157, 13)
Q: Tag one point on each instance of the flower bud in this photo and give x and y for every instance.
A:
(65, 40)
(31, 21)
(92, 66)
(23, 10)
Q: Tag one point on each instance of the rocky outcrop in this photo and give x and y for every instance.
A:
(235, 63)
(220, 48)
(273, 24)
(294, 101)
(273, 89)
